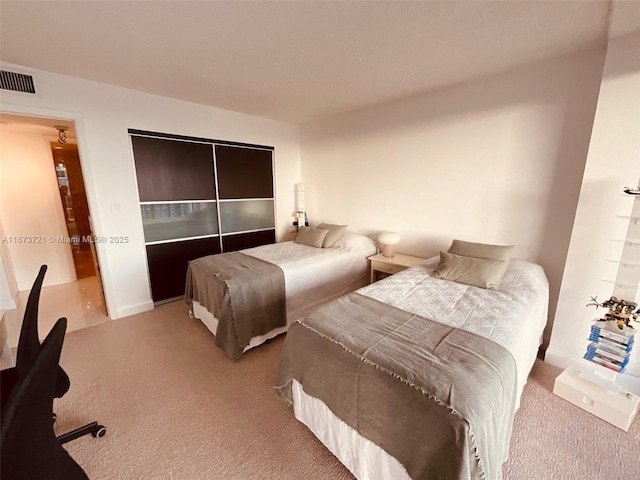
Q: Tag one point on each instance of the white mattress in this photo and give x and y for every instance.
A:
(312, 276)
(514, 317)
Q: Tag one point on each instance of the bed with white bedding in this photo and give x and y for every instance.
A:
(312, 276)
(409, 397)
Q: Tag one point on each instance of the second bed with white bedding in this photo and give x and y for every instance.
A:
(312, 276)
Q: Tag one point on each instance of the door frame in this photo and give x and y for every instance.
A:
(103, 272)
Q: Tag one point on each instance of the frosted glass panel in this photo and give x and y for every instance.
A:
(168, 221)
(246, 215)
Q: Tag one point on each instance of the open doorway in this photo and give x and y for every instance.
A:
(45, 219)
(66, 162)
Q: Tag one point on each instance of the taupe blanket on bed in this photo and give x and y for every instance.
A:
(246, 295)
(438, 399)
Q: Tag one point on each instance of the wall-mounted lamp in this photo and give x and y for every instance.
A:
(388, 240)
(62, 133)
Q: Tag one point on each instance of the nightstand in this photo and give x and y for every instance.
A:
(382, 266)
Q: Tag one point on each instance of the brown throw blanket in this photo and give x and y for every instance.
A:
(246, 295)
(438, 399)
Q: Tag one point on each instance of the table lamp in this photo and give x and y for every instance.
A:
(388, 240)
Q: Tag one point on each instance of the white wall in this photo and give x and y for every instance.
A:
(497, 160)
(31, 209)
(613, 162)
(103, 114)
(8, 295)
(9, 284)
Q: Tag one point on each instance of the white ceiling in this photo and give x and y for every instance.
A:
(297, 61)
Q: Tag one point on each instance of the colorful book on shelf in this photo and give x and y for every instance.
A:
(610, 346)
(597, 350)
(606, 363)
(613, 347)
(604, 331)
(606, 360)
(612, 342)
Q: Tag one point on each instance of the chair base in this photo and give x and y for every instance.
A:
(92, 428)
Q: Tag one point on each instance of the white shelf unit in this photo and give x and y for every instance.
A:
(600, 390)
(627, 280)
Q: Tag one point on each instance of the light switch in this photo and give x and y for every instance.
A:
(115, 208)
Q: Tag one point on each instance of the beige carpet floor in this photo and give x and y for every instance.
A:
(177, 408)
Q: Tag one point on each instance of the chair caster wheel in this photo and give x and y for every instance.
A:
(100, 432)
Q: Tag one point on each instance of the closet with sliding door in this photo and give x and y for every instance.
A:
(199, 197)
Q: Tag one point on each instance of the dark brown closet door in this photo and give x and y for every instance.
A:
(170, 170)
(181, 212)
(244, 172)
(246, 203)
(168, 264)
(179, 174)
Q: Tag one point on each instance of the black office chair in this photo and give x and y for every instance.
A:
(29, 447)
(28, 350)
(29, 346)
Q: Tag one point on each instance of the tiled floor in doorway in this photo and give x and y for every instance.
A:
(80, 301)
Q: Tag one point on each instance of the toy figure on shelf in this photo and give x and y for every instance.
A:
(620, 311)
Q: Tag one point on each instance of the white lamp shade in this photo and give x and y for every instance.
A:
(388, 240)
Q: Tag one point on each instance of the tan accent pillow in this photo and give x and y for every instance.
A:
(481, 250)
(478, 272)
(311, 236)
(335, 233)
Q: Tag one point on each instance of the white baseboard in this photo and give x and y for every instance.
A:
(133, 309)
(563, 361)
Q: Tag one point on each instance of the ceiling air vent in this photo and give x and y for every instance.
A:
(17, 82)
